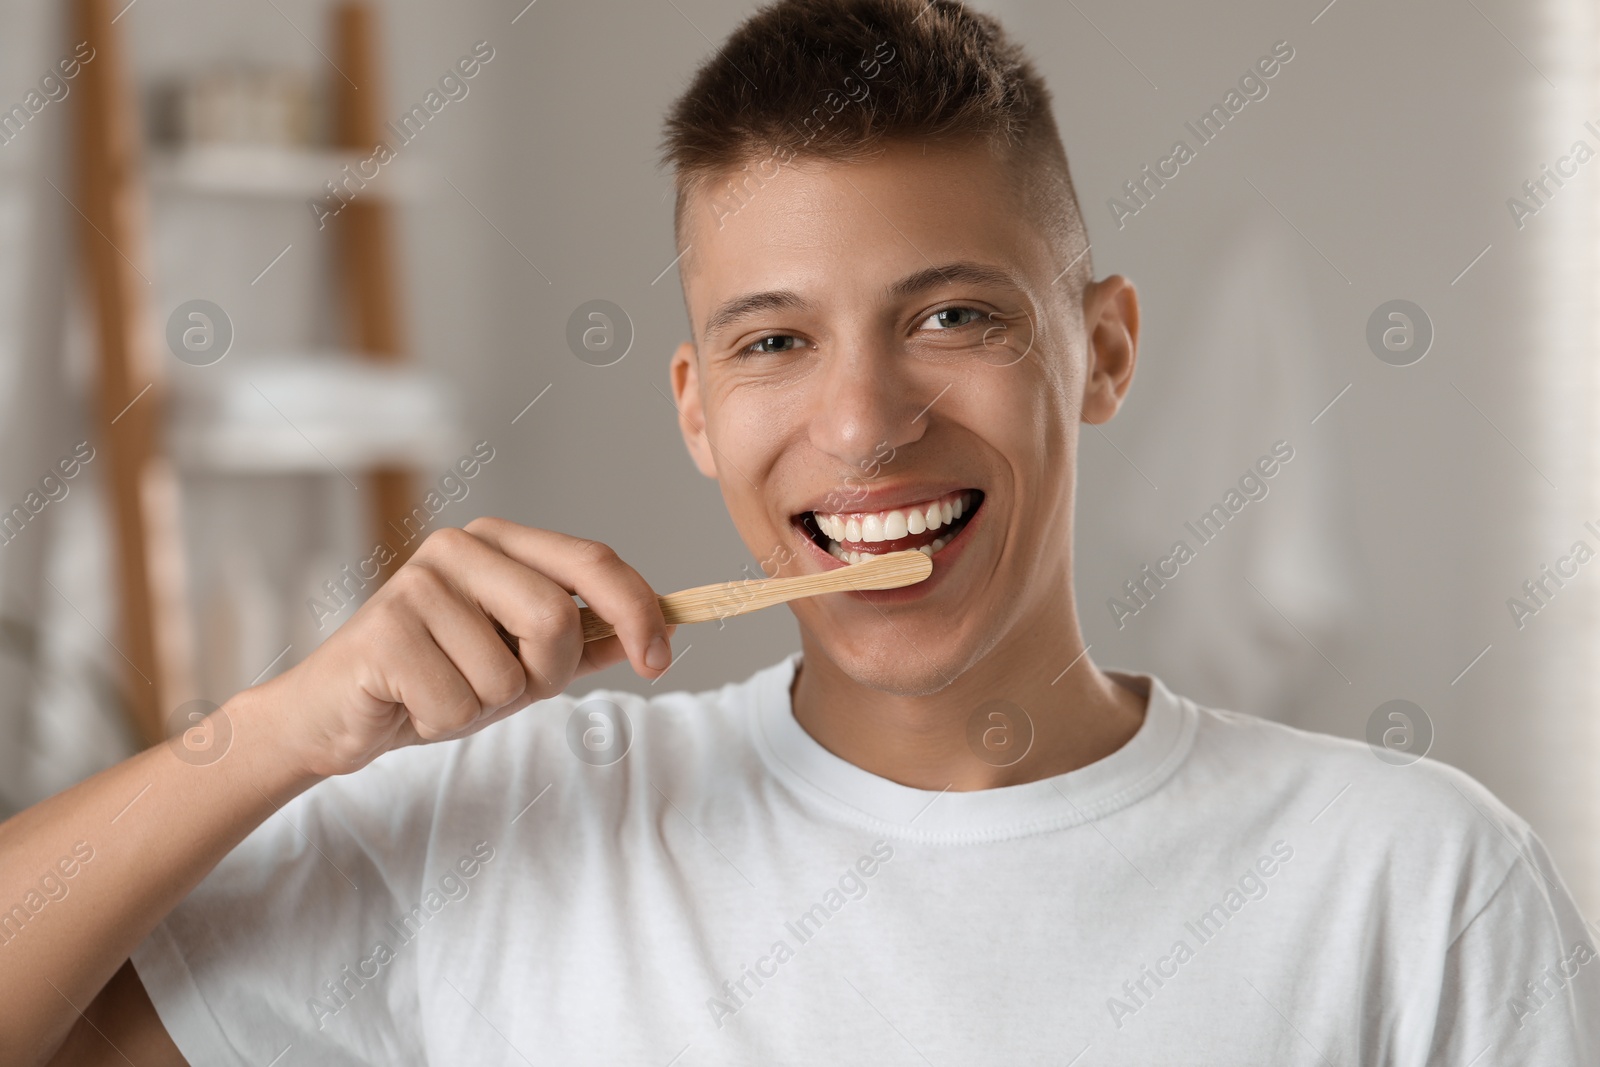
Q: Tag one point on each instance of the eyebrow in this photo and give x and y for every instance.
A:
(964, 271)
(788, 300)
(751, 303)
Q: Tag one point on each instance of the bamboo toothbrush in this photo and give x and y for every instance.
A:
(725, 599)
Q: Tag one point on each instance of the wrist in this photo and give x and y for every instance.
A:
(265, 745)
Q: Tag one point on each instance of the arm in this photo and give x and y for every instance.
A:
(119, 1027)
(421, 661)
(145, 856)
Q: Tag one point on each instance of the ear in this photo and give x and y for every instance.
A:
(1111, 320)
(685, 373)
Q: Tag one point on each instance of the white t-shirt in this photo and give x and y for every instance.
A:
(1221, 890)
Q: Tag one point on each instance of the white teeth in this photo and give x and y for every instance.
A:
(877, 527)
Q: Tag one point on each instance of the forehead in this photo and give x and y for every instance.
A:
(846, 231)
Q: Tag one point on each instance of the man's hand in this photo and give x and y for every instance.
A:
(422, 660)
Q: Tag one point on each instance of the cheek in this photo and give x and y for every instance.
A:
(1060, 384)
(1027, 416)
(749, 429)
(748, 423)
(1022, 412)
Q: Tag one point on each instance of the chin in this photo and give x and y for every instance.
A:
(902, 662)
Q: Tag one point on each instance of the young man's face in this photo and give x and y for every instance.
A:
(875, 346)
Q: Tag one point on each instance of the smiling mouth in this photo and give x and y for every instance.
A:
(926, 526)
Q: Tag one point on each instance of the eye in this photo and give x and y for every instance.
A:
(952, 318)
(770, 345)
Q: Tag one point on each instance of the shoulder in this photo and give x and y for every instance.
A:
(1286, 755)
(1417, 825)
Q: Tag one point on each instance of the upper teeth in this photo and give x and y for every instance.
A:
(860, 527)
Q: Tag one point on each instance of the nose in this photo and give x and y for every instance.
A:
(870, 405)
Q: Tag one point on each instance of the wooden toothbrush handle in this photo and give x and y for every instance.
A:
(724, 600)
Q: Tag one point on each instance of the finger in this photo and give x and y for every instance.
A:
(438, 699)
(612, 653)
(547, 656)
(598, 655)
(593, 571)
(467, 637)
(538, 615)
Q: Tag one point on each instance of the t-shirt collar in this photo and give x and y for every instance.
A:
(1077, 797)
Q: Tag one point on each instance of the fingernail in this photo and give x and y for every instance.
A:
(658, 657)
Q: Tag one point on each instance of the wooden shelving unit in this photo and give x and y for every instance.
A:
(365, 232)
(149, 433)
(155, 638)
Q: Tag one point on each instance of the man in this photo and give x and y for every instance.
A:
(937, 833)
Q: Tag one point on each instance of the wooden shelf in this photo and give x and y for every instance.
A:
(318, 413)
(267, 172)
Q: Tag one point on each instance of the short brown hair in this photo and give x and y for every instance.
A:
(837, 79)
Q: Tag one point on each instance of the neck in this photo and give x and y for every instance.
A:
(973, 733)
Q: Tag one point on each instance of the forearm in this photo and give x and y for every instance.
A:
(151, 828)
